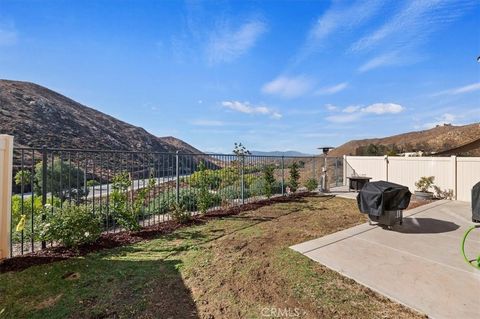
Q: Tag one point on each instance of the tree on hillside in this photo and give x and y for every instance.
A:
(62, 180)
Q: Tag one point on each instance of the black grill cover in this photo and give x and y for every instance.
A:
(476, 202)
(377, 197)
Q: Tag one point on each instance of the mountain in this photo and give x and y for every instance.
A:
(37, 116)
(279, 153)
(442, 140)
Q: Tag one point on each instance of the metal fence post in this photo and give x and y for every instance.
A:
(177, 179)
(283, 175)
(242, 180)
(44, 186)
(345, 163)
(6, 164)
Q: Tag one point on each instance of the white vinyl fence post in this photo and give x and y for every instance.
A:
(6, 159)
(386, 168)
(453, 159)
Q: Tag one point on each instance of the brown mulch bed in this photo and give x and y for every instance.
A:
(112, 240)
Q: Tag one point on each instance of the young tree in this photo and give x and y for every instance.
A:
(269, 180)
(294, 177)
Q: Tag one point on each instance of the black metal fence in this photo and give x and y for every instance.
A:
(46, 179)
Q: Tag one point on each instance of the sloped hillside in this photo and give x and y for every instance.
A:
(441, 139)
(38, 116)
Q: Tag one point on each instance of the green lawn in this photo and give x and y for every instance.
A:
(233, 267)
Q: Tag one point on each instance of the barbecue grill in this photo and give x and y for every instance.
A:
(476, 203)
(384, 202)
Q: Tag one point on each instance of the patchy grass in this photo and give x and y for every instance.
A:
(232, 267)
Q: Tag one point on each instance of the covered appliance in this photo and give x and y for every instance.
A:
(476, 203)
(384, 202)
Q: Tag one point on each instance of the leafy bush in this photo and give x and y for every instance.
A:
(92, 182)
(424, 183)
(210, 178)
(24, 217)
(188, 199)
(71, 225)
(162, 203)
(258, 187)
(311, 184)
(294, 177)
(233, 192)
(125, 213)
(179, 213)
(23, 177)
(443, 194)
(63, 180)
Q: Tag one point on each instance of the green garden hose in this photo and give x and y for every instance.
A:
(474, 263)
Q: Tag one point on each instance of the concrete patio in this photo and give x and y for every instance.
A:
(418, 264)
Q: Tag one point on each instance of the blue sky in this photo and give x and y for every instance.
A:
(274, 75)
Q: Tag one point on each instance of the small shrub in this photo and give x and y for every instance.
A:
(311, 184)
(57, 174)
(443, 194)
(258, 187)
(294, 177)
(92, 182)
(233, 192)
(71, 225)
(179, 213)
(24, 215)
(424, 183)
(123, 212)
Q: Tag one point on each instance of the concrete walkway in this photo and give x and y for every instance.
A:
(418, 264)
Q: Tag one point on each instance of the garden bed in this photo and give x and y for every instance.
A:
(112, 240)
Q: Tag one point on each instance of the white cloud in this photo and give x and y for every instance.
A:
(344, 118)
(225, 44)
(355, 112)
(288, 86)
(460, 90)
(414, 21)
(204, 122)
(247, 108)
(446, 118)
(390, 58)
(332, 89)
(383, 108)
(331, 107)
(339, 18)
(409, 27)
(351, 109)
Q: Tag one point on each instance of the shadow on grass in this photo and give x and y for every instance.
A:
(101, 287)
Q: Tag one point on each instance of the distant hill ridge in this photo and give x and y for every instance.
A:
(442, 140)
(279, 153)
(37, 116)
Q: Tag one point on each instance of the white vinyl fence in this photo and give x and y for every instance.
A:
(456, 173)
(6, 153)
